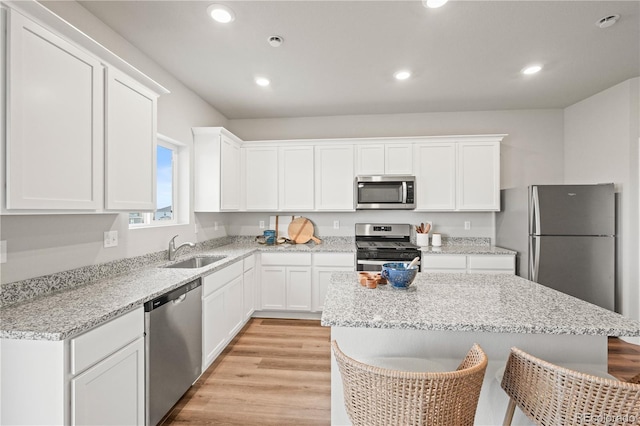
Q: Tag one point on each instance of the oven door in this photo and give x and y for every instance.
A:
(375, 265)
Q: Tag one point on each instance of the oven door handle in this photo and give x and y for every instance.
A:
(378, 262)
(372, 262)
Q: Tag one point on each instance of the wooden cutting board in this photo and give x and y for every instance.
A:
(301, 231)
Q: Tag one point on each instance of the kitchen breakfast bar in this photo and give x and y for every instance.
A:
(431, 326)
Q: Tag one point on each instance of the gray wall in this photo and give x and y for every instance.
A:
(601, 145)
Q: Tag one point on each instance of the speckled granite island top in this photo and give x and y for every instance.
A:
(468, 302)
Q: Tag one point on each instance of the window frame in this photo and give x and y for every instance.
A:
(180, 187)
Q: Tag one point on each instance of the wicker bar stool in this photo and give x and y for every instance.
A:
(379, 396)
(552, 395)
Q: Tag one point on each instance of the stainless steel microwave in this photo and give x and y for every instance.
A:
(385, 192)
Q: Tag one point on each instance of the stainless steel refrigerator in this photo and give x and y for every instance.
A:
(572, 240)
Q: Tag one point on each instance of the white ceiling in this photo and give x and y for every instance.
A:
(338, 57)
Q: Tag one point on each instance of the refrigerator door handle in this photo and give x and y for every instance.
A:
(534, 225)
(534, 258)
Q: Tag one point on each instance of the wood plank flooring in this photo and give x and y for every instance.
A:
(277, 372)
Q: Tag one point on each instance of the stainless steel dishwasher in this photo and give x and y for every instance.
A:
(173, 327)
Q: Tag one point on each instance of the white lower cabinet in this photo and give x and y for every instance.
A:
(112, 391)
(286, 281)
(299, 281)
(222, 310)
(325, 264)
(472, 264)
(249, 286)
(94, 378)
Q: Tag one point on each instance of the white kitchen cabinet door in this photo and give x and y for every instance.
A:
(478, 184)
(298, 288)
(370, 159)
(274, 287)
(130, 146)
(261, 178)
(233, 307)
(55, 119)
(111, 392)
(230, 172)
(398, 159)
(214, 330)
(435, 171)
(217, 170)
(335, 176)
(249, 291)
(296, 178)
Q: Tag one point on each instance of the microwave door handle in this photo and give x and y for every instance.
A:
(404, 192)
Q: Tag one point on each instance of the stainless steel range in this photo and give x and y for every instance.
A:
(379, 243)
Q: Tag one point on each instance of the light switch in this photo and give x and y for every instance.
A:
(3, 251)
(467, 225)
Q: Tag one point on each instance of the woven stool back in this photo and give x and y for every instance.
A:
(379, 396)
(552, 395)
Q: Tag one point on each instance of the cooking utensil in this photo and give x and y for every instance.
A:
(301, 231)
(414, 262)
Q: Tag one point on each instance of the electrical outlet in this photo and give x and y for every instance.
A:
(262, 224)
(467, 225)
(336, 224)
(110, 239)
(215, 226)
(3, 251)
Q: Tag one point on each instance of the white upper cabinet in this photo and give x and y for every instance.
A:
(435, 170)
(54, 121)
(334, 177)
(81, 122)
(398, 159)
(370, 159)
(384, 158)
(217, 170)
(478, 186)
(230, 172)
(457, 176)
(261, 178)
(296, 178)
(130, 144)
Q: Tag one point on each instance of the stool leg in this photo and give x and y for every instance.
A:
(511, 408)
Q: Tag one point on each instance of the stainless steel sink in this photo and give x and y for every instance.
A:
(196, 262)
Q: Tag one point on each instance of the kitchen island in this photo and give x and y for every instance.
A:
(442, 315)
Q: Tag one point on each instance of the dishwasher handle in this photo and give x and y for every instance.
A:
(174, 296)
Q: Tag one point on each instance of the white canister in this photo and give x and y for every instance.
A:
(436, 240)
(422, 240)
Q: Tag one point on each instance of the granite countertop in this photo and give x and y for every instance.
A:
(66, 313)
(468, 302)
(464, 249)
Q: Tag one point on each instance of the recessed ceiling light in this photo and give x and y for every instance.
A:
(531, 69)
(402, 75)
(607, 21)
(433, 3)
(221, 13)
(261, 81)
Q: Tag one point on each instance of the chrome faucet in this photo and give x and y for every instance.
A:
(173, 250)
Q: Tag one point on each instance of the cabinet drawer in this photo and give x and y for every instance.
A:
(249, 262)
(96, 344)
(221, 277)
(333, 259)
(491, 262)
(288, 259)
(443, 261)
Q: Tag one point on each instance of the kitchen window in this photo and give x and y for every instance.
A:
(171, 176)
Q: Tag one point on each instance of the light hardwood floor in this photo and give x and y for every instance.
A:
(277, 372)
